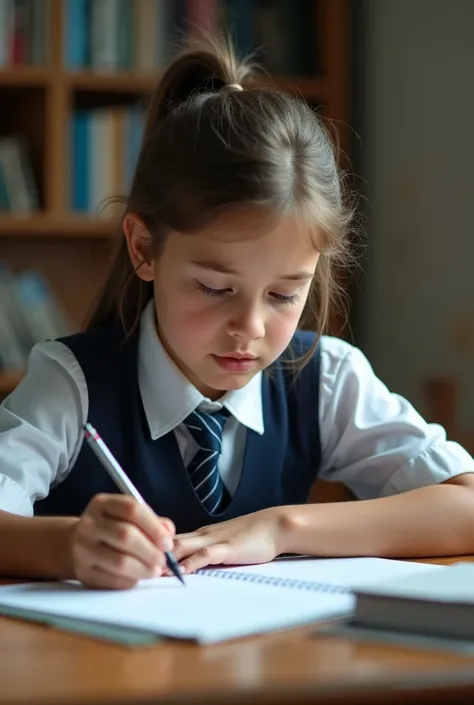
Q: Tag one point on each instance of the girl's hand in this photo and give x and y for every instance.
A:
(118, 541)
(255, 538)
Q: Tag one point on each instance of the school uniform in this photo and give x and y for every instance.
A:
(336, 420)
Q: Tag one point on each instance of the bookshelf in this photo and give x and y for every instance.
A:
(72, 251)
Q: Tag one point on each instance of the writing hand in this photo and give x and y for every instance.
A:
(118, 541)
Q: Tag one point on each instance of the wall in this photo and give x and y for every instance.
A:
(418, 158)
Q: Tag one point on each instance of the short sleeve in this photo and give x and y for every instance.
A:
(373, 440)
(40, 424)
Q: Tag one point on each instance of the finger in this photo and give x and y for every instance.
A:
(219, 553)
(158, 530)
(116, 563)
(97, 578)
(128, 538)
(184, 547)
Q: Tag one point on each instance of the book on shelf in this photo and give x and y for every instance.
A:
(104, 146)
(142, 35)
(29, 314)
(24, 32)
(18, 190)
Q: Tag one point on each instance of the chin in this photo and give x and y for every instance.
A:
(229, 382)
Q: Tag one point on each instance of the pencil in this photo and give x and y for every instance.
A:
(123, 482)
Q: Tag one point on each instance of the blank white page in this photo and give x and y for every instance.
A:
(207, 609)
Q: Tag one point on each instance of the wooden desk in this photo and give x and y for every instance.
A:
(39, 666)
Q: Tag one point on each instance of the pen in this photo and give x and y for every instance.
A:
(123, 482)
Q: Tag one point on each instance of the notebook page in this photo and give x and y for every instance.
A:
(339, 572)
(207, 609)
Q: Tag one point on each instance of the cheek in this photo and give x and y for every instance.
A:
(282, 328)
(186, 323)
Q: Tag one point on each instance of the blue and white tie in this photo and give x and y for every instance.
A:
(206, 429)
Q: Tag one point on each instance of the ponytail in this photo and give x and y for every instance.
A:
(206, 66)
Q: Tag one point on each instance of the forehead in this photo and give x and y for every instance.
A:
(253, 235)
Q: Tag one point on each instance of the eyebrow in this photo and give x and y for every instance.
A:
(223, 269)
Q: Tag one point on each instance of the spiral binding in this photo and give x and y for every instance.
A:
(307, 585)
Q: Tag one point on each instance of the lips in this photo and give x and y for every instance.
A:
(236, 362)
(238, 356)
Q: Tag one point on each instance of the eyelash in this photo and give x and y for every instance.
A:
(279, 298)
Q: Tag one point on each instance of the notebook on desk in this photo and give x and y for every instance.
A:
(216, 604)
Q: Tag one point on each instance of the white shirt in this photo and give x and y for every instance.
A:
(371, 439)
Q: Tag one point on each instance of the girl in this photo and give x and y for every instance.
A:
(194, 372)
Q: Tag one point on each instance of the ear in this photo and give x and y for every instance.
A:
(139, 243)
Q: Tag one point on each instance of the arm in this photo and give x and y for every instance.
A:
(429, 521)
(39, 438)
(36, 547)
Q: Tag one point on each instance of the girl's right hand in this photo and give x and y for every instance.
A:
(118, 541)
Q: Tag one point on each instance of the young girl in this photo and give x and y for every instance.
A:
(195, 374)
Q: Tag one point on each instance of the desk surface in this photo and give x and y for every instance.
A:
(40, 665)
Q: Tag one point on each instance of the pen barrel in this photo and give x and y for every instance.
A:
(117, 474)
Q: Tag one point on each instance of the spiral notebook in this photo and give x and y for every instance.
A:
(216, 604)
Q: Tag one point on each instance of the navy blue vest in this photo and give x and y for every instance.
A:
(279, 466)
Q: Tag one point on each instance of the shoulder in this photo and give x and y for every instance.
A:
(345, 370)
(332, 363)
(105, 337)
(100, 350)
(53, 359)
(339, 355)
(329, 353)
(53, 383)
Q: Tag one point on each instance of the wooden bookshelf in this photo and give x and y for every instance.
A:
(69, 226)
(72, 251)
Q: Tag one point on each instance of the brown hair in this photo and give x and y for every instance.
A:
(208, 146)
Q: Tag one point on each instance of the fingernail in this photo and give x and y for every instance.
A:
(166, 543)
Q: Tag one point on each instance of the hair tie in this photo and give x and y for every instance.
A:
(233, 87)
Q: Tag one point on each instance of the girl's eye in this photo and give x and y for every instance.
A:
(211, 292)
(281, 299)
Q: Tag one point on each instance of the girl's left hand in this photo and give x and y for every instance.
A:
(255, 538)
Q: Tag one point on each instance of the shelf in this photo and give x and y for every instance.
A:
(310, 88)
(26, 76)
(8, 382)
(112, 82)
(67, 227)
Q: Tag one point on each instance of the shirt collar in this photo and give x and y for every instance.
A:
(167, 395)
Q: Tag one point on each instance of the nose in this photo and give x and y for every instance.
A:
(247, 323)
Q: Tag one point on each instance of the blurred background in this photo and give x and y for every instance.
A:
(395, 78)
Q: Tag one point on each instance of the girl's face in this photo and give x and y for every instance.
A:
(228, 300)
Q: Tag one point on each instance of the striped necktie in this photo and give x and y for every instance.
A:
(206, 429)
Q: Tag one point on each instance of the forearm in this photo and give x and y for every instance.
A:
(35, 546)
(430, 521)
